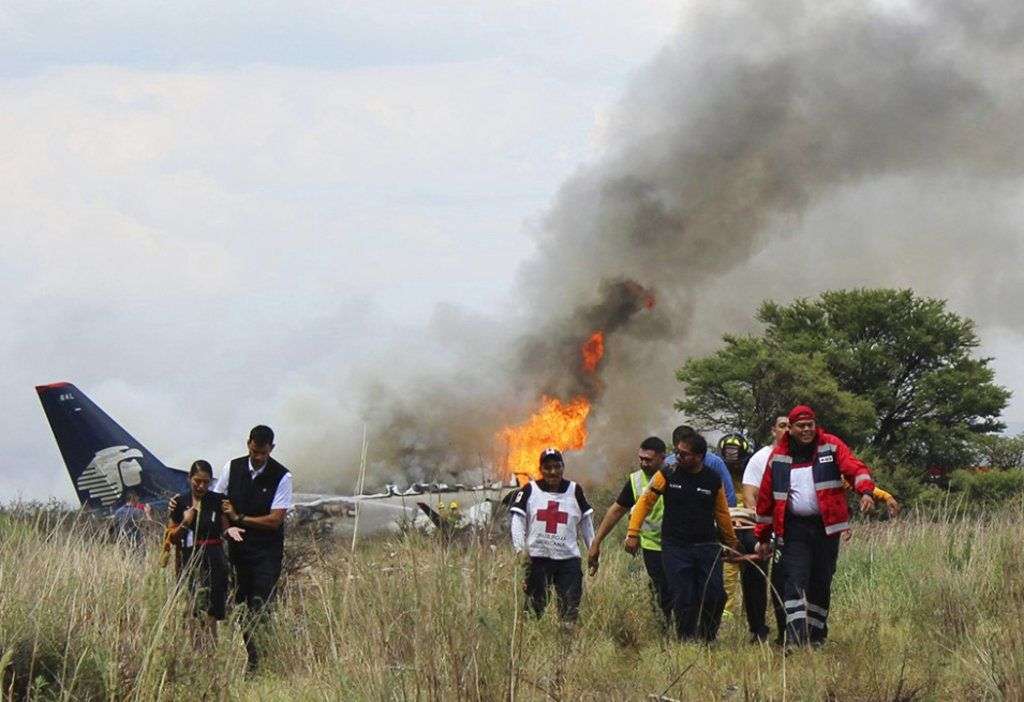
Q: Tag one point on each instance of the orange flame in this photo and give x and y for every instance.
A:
(592, 351)
(563, 426)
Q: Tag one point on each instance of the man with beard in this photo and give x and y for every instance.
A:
(696, 517)
(650, 457)
(548, 517)
(259, 495)
(802, 502)
(756, 591)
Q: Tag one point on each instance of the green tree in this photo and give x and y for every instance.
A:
(884, 368)
(1000, 452)
(748, 383)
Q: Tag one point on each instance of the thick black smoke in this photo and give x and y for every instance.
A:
(771, 149)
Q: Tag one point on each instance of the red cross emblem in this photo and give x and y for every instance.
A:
(552, 517)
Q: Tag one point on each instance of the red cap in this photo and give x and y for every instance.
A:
(800, 412)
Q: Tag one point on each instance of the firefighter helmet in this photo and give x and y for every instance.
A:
(734, 448)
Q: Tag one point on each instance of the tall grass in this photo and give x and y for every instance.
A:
(922, 609)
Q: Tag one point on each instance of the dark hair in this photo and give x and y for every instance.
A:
(200, 466)
(653, 443)
(262, 435)
(688, 436)
(682, 433)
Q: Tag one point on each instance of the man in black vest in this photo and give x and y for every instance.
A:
(259, 492)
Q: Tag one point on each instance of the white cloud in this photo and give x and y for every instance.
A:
(204, 204)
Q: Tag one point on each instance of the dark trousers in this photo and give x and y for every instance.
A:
(566, 576)
(760, 591)
(754, 583)
(809, 560)
(777, 594)
(659, 585)
(206, 573)
(694, 575)
(257, 569)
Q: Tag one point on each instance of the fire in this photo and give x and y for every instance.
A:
(592, 351)
(563, 426)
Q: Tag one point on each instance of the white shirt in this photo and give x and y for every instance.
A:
(754, 472)
(803, 498)
(282, 496)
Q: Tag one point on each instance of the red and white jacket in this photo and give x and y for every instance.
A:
(832, 461)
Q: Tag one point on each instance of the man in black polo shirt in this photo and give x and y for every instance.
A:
(695, 519)
(259, 495)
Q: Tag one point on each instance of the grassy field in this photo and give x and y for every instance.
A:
(922, 609)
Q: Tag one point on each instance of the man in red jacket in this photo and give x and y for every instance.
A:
(802, 501)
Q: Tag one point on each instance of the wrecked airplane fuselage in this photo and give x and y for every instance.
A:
(427, 507)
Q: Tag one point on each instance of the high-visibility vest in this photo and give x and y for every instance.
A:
(650, 532)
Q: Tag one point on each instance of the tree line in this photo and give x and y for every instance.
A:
(894, 373)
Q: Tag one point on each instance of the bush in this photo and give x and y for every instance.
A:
(988, 488)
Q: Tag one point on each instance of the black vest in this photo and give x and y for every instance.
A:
(254, 497)
(689, 516)
(208, 526)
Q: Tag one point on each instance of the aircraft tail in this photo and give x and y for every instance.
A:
(103, 460)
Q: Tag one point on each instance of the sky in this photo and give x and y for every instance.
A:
(222, 215)
(202, 199)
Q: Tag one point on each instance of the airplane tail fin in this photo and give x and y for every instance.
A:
(104, 461)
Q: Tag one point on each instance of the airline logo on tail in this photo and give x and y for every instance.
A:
(110, 472)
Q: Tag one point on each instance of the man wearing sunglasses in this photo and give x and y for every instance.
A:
(695, 520)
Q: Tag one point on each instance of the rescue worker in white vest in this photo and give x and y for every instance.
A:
(651, 457)
(802, 502)
(694, 520)
(548, 516)
(259, 495)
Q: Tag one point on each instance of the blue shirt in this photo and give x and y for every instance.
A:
(712, 461)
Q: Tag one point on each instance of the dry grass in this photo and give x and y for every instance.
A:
(921, 610)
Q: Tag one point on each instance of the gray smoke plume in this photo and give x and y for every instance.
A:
(771, 149)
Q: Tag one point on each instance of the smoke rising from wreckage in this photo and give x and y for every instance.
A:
(724, 157)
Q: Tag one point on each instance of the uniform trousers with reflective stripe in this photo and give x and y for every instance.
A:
(659, 585)
(809, 561)
(694, 574)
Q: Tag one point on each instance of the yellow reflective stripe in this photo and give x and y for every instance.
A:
(826, 484)
(860, 479)
(833, 528)
(761, 519)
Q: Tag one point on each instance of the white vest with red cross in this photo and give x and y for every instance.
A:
(552, 521)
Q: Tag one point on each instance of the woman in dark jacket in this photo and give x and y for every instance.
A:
(199, 526)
